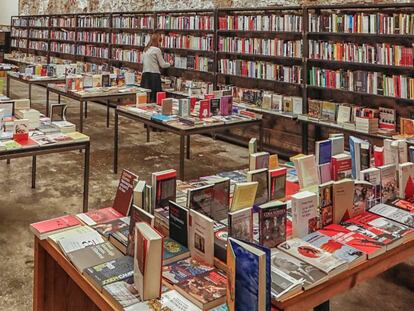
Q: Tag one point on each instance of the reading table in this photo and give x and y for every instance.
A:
(183, 132)
(38, 150)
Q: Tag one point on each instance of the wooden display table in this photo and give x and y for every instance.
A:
(183, 133)
(59, 286)
(103, 97)
(54, 148)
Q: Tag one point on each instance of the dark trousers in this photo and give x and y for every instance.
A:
(151, 81)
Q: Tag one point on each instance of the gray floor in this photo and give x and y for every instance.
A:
(59, 191)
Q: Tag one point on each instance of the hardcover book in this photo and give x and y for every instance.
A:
(184, 269)
(109, 272)
(277, 183)
(99, 216)
(244, 195)
(201, 199)
(304, 213)
(399, 215)
(272, 223)
(201, 240)
(241, 224)
(313, 255)
(261, 176)
(45, 228)
(325, 209)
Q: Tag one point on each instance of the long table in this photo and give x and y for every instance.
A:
(59, 286)
(104, 97)
(183, 133)
(54, 148)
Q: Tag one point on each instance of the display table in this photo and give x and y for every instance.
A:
(59, 286)
(183, 133)
(44, 81)
(54, 148)
(102, 97)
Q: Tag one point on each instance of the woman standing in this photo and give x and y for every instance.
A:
(152, 61)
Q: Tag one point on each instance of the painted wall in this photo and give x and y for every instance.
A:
(8, 8)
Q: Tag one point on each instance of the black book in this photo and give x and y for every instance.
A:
(109, 272)
(201, 199)
(215, 106)
(106, 81)
(221, 199)
(178, 223)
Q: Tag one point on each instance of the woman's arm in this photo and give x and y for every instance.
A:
(161, 61)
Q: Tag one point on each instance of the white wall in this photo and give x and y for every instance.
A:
(8, 8)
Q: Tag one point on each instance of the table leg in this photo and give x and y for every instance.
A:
(86, 109)
(322, 307)
(58, 98)
(47, 103)
(39, 276)
(30, 94)
(86, 178)
(33, 172)
(116, 143)
(148, 133)
(188, 147)
(81, 116)
(182, 143)
(261, 136)
(107, 113)
(8, 161)
(8, 86)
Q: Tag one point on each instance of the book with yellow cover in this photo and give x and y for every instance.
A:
(244, 195)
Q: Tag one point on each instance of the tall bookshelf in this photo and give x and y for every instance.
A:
(213, 39)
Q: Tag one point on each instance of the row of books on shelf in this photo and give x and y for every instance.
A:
(260, 70)
(63, 35)
(19, 33)
(269, 47)
(66, 48)
(63, 21)
(93, 51)
(19, 43)
(39, 45)
(372, 23)
(19, 22)
(39, 34)
(42, 21)
(193, 62)
(23, 127)
(93, 36)
(85, 21)
(127, 55)
(176, 41)
(273, 22)
(138, 39)
(185, 22)
(376, 83)
(133, 22)
(380, 53)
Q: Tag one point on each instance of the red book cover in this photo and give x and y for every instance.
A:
(204, 111)
(26, 143)
(379, 156)
(209, 96)
(160, 97)
(340, 167)
(125, 192)
(100, 216)
(363, 243)
(193, 101)
(54, 224)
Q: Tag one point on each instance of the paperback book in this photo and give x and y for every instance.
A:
(272, 223)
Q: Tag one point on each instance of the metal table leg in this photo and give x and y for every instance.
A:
(182, 143)
(30, 94)
(116, 143)
(188, 147)
(33, 172)
(47, 102)
(58, 98)
(86, 109)
(107, 113)
(148, 133)
(8, 86)
(81, 116)
(86, 178)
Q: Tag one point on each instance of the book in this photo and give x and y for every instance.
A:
(201, 237)
(272, 223)
(297, 269)
(244, 195)
(173, 251)
(284, 286)
(240, 224)
(93, 255)
(358, 241)
(325, 172)
(273, 161)
(206, 290)
(215, 106)
(261, 176)
(323, 151)
(389, 186)
(341, 166)
(71, 233)
(204, 111)
(77, 240)
(163, 188)
(325, 204)
(304, 213)
(120, 239)
(226, 105)
(343, 199)
(45, 228)
(252, 145)
(258, 160)
(139, 194)
(178, 223)
(201, 199)
(182, 270)
(106, 228)
(277, 183)
(251, 275)
(405, 180)
(221, 234)
(99, 216)
(363, 192)
(159, 97)
(109, 272)
(337, 145)
(399, 215)
(355, 144)
(137, 215)
(307, 172)
(315, 256)
(345, 252)
(221, 199)
(21, 130)
(148, 261)
(124, 193)
(122, 293)
(167, 106)
(373, 176)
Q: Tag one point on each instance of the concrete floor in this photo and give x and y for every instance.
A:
(59, 191)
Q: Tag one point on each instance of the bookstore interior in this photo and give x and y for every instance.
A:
(296, 191)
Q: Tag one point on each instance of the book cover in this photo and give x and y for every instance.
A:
(252, 145)
(323, 151)
(184, 269)
(337, 145)
(273, 161)
(343, 199)
(325, 209)
(21, 130)
(258, 160)
(174, 251)
(363, 192)
(221, 234)
(244, 195)
(405, 180)
(355, 151)
(201, 199)
(137, 215)
(241, 224)
(124, 193)
(272, 223)
(167, 106)
(221, 199)
(43, 229)
(304, 213)
(297, 269)
(122, 293)
(163, 188)
(283, 285)
(109, 272)
(261, 176)
(313, 255)
(206, 290)
(373, 176)
(78, 240)
(106, 228)
(204, 111)
(399, 215)
(178, 223)
(215, 106)
(231, 280)
(160, 96)
(226, 105)
(277, 183)
(201, 239)
(389, 186)
(341, 166)
(99, 216)
(307, 171)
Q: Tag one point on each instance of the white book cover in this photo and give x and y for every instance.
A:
(80, 241)
(389, 185)
(307, 171)
(201, 229)
(338, 143)
(405, 180)
(314, 256)
(373, 176)
(393, 213)
(304, 213)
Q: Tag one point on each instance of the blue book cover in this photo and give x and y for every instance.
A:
(325, 151)
(161, 117)
(173, 249)
(354, 146)
(339, 250)
(181, 270)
